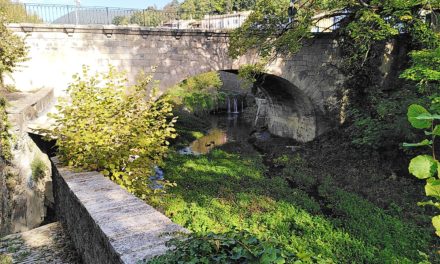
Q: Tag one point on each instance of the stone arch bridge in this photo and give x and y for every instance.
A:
(300, 89)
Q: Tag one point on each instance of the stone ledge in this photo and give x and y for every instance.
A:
(107, 224)
(25, 107)
(111, 29)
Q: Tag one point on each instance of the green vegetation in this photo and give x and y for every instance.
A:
(188, 9)
(150, 17)
(372, 108)
(197, 9)
(226, 194)
(188, 128)
(5, 136)
(198, 94)
(112, 128)
(426, 72)
(5, 259)
(16, 13)
(38, 168)
(232, 247)
(12, 48)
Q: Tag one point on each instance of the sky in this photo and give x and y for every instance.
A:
(106, 3)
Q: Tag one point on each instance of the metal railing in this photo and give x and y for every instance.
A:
(79, 15)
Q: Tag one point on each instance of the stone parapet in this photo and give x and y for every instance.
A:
(25, 107)
(106, 223)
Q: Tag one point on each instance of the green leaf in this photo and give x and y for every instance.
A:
(414, 112)
(436, 224)
(422, 166)
(436, 130)
(432, 188)
(420, 144)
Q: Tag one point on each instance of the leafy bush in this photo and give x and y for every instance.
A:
(5, 136)
(112, 128)
(231, 247)
(12, 49)
(426, 71)
(38, 169)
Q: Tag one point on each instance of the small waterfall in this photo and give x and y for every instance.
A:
(235, 106)
(229, 105)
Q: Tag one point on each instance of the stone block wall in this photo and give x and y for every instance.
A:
(106, 223)
(59, 51)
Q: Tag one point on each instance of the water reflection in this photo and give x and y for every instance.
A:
(225, 128)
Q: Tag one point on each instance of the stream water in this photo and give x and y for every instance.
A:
(224, 128)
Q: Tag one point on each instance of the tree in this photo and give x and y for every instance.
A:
(361, 27)
(120, 20)
(363, 23)
(172, 7)
(12, 49)
(17, 13)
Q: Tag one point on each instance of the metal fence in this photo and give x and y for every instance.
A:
(79, 15)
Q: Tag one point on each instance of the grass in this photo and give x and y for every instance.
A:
(222, 192)
(38, 168)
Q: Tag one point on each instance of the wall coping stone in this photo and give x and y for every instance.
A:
(112, 29)
(24, 107)
(107, 224)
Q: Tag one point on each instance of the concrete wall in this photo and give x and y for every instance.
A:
(59, 51)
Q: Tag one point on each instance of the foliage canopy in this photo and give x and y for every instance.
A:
(269, 29)
(12, 48)
(108, 127)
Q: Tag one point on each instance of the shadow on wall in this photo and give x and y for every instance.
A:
(290, 112)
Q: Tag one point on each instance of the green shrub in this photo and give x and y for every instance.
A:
(12, 48)
(112, 128)
(426, 72)
(231, 247)
(5, 136)
(38, 169)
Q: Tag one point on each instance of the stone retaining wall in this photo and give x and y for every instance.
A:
(105, 222)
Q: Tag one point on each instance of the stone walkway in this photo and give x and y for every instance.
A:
(47, 244)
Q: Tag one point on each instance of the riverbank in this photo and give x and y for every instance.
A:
(299, 196)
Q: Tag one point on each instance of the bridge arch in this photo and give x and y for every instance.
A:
(288, 111)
